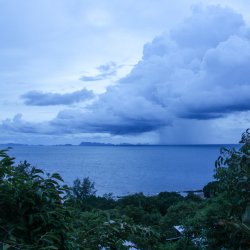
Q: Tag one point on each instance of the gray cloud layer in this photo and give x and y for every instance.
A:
(106, 71)
(37, 98)
(199, 70)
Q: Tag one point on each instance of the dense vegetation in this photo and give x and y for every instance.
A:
(38, 212)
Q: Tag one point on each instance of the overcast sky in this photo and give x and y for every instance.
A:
(148, 71)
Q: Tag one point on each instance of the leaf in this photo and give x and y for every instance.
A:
(57, 177)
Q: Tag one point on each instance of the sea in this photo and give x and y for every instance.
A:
(123, 170)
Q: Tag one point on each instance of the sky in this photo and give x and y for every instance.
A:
(147, 71)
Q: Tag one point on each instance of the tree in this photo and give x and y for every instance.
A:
(84, 189)
(224, 220)
(233, 175)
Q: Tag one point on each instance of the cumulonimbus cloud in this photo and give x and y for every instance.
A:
(37, 98)
(199, 70)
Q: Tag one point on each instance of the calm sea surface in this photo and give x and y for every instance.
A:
(127, 169)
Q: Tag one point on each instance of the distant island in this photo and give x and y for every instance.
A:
(110, 144)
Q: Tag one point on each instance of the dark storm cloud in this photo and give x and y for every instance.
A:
(37, 98)
(111, 120)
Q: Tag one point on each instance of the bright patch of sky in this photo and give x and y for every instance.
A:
(124, 71)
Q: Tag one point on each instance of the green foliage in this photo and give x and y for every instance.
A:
(210, 189)
(108, 229)
(31, 207)
(182, 244)
(84, 189)
(233, 176)
(223, 221)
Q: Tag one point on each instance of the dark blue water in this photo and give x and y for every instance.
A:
(127, 169)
